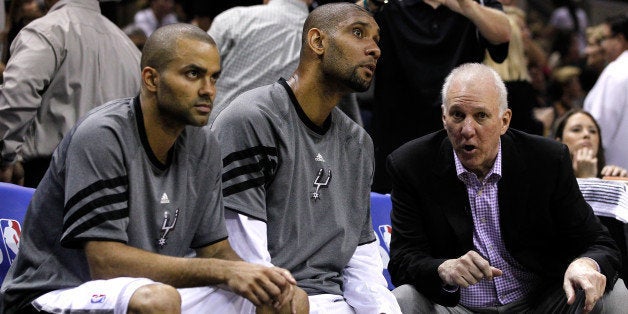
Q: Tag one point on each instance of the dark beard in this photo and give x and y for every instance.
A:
(172, 111)
(356, 83)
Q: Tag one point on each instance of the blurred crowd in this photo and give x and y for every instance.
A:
(413, 80)
(129, 15)
(555, 56)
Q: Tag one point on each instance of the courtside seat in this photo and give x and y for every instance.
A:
(381, 205)
(609, 200)
(14, 200)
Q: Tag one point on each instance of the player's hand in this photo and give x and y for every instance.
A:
(585, 163)
(272, 286)
(614, 171)
(467, 270)
(582, 273)
(287, 295)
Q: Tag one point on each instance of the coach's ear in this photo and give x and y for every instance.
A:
(150, 79)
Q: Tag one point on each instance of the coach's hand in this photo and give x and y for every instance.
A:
(467, 270)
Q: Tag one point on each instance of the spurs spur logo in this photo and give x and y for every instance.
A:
(167, 226)
(321, 182)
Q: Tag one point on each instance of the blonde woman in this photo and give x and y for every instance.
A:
(514, 72)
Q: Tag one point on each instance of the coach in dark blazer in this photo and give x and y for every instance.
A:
(546, 226)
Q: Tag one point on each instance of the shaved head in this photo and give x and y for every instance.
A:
(160, 48)
(327, 18)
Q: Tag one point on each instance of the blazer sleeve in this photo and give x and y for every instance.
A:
(583, 233)
(411, 260)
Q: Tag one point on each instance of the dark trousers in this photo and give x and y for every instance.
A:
(550, 300)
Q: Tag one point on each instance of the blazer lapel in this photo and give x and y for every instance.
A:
(453, 193)
(511, 186)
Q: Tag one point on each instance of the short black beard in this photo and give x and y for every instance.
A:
(356, 83)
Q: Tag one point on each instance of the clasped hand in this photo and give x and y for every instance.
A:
(271, 286)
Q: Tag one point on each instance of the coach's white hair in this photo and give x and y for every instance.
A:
(480, 73)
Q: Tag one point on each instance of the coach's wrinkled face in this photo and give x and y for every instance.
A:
(474, 122)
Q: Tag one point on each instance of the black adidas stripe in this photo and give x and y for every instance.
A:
(239, 187)
(252, 168)
(96, 186)
(248, 153)
(69, 240)
(267, 166)
(93, 205)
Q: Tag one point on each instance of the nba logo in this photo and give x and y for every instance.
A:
(11, 232)
(98, 298)
(385, 232)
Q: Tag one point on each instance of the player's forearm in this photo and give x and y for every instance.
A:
(112, 259)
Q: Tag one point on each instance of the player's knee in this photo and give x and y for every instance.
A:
(155, 298)
(302, 301)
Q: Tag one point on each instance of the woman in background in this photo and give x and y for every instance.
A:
(581, 133)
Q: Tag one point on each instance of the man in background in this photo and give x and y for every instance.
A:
(258, 45)
(608, 99)
(61, 66)
(158, 14)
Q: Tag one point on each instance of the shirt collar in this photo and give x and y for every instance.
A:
(87, 4)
